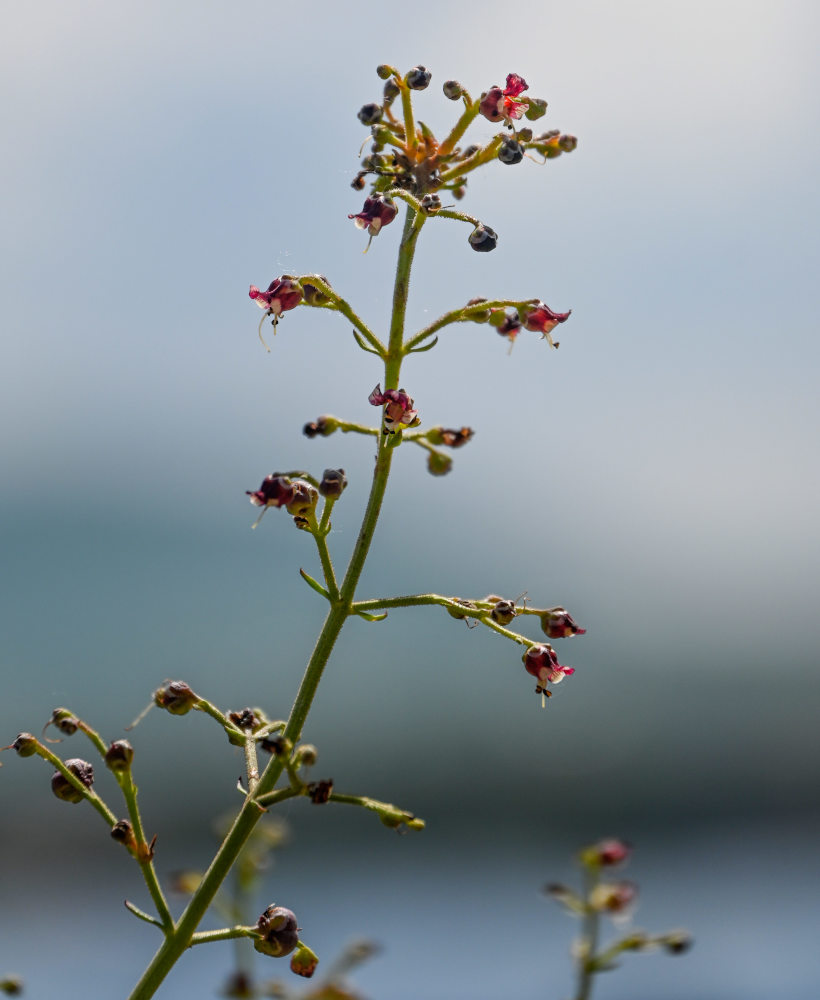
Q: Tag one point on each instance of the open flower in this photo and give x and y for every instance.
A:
(275, 491)
(544, 320)
(502, 105)
(378, 211)
(542, 662)
(398, 408)
(283, 294)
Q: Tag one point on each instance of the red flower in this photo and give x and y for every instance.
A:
(283, 294)
(502, 105)
(558, 623)
(377, 212)
(543, 319)
(542, 662)
(398, 408)
(275, 491)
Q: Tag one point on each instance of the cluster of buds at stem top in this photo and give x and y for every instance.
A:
(278, 931)
(298, 497)
(398, 410)
(541, 661)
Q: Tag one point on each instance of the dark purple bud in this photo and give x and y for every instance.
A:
(176, 698)
(325, 425)
(319, 792)
(503, 612)
(304, 499)
(358, 181)
(123, 833)
(370, 114)
(510, 151)
(391, 91)
(277, 745)
(483, 239)
(452, 89)
(676, 942)
(119, 755)
(63, 788)
(279, 933)
(25, 745)
(418, 78)
(460, 191)
(334, 483)
(63, 720)
(567, 143)
(245, 720)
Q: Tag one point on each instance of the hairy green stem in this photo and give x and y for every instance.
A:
(589, 939)
(341, 608)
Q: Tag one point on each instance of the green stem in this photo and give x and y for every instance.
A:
(320, 537)
(129, 791)
(485, 155)
(589, 939)
(224, 934)
(467, 117)
(250, 813)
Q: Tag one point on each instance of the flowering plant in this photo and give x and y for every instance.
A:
(406, 165)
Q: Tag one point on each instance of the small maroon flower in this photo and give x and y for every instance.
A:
(283, 294)
(558, 623)
(275, 491)
(502, 105)
(510, 327)
(398, 408)
(618, 899)
(542, 662)
(378, 211)
(606, 853)
(544, 320)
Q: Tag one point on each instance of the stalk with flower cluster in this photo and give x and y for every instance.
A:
(406, 163)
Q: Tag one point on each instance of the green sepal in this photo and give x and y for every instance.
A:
(427, 347)
(364, 346)
(371, 618)
(314, 584)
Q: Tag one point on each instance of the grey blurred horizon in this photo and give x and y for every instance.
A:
(657, 475)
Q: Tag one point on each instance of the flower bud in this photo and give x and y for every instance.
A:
(11, 986)
(452, 89)
(279, 932)
(384, 71)
(119, 755)
(418, 78)
(63, 788)
(471, 150)
(176, 698)
(306, 755)
(324, 426)
(358, 181)
(313, 297)
(25, 745)
(304, 499)
(483, 239)
(303, 963)
(558, 623)
(438, 464)
(567, 143)
(510, 151)
(245, 720)
(63, 720)
(319, 792)
(676, 942)
(503, 612)
(605, 853)
(391, 91)
(334, 483)
(123, 833)
(460, 191)
(370, 114)
(277, 744)
(467, 605)
(479, 317)
(430, 203)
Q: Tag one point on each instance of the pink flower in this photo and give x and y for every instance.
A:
(378, 211)
(283, 294)
(558, 623)
(502, 105)
(544, 320)
(607, 852)
(542, 662)
(398, 408)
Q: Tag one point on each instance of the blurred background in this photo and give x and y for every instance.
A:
(657, 476)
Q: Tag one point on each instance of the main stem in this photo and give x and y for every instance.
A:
(179, 939)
